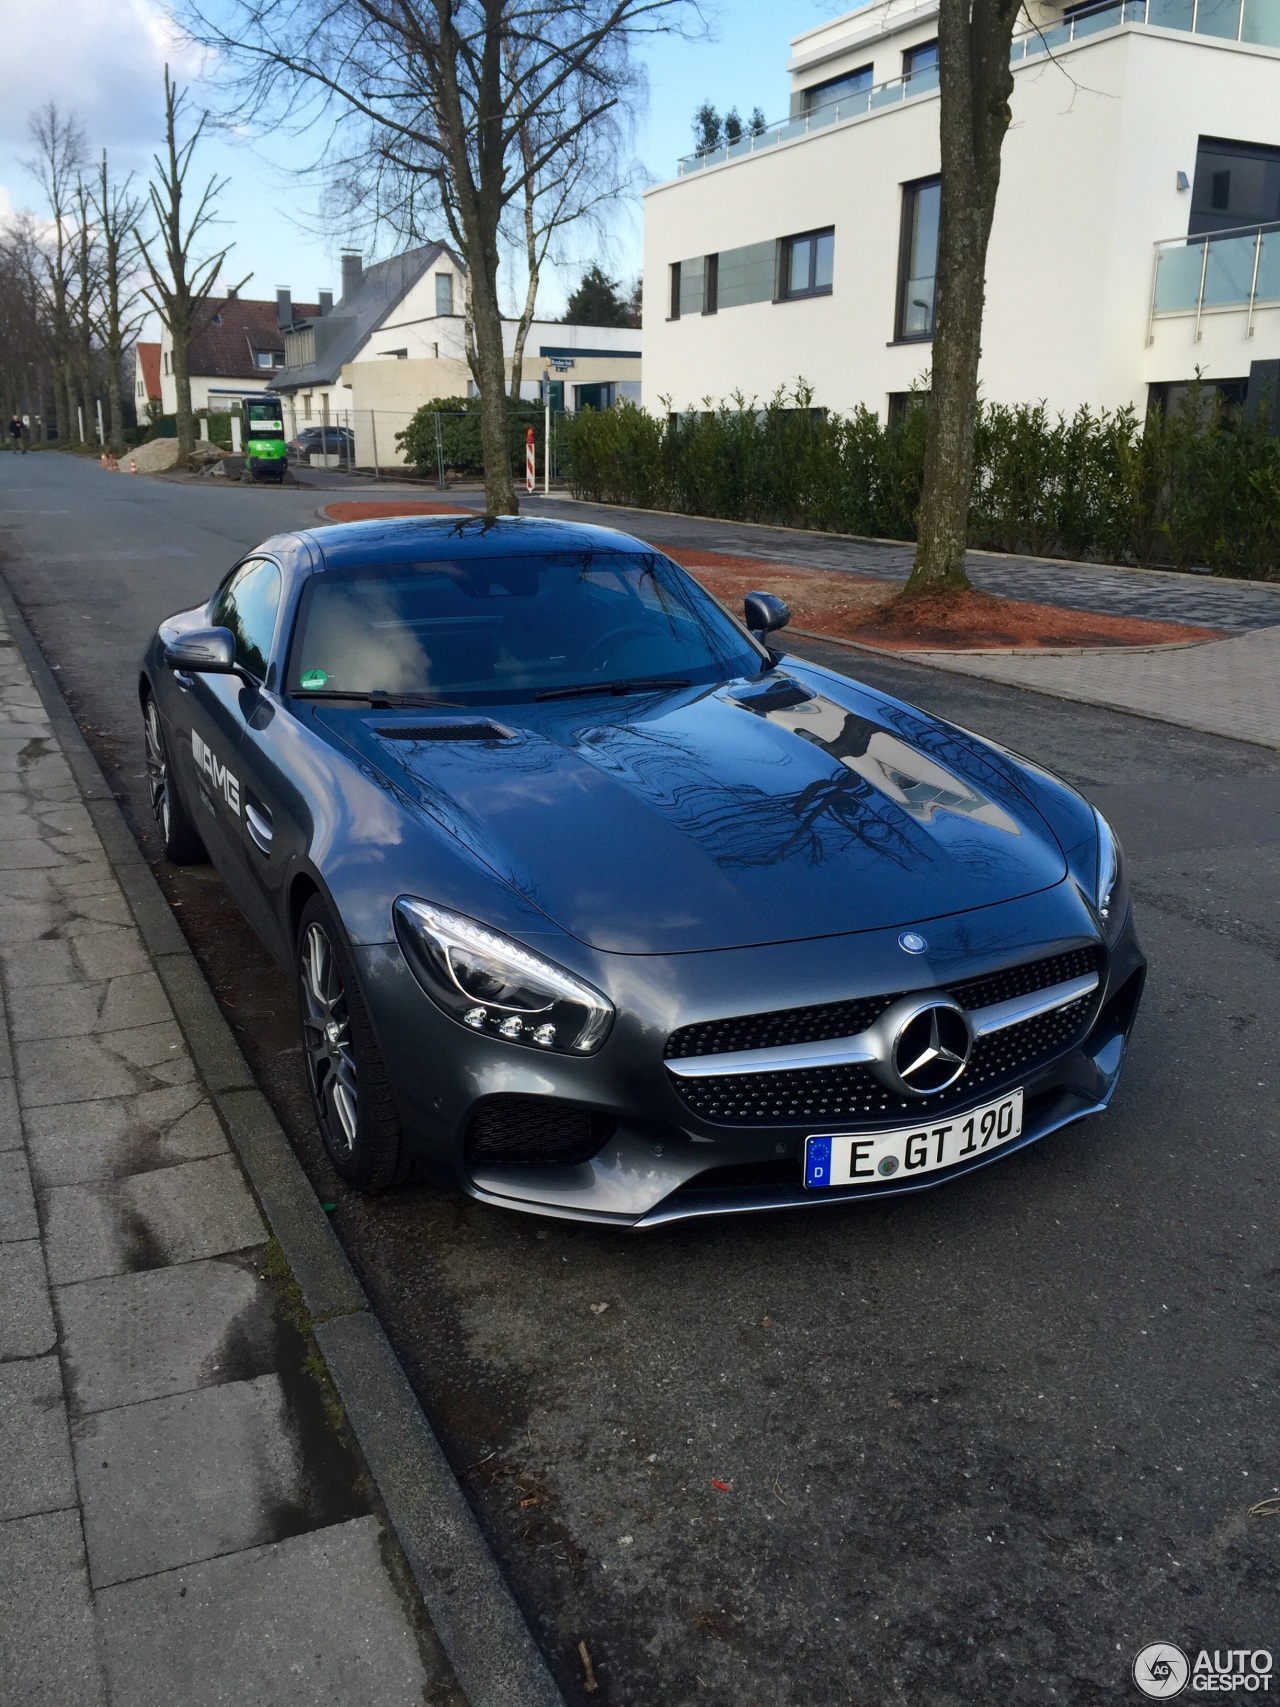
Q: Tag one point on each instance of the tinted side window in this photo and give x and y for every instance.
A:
(247, 605)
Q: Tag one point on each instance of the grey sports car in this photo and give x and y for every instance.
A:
(600, 906)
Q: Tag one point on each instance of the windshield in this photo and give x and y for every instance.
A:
(486, 628)
(264, 418)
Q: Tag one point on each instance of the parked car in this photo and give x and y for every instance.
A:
(599, 905)
(323, 441)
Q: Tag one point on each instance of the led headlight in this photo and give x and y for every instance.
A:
(1109, 892)
(496, 986)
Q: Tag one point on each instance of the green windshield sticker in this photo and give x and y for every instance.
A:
(313, 679)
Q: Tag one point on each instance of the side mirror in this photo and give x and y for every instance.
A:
(208, 651)
(765, 613)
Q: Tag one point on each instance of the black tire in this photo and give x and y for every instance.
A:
(180, 841)
(350, 1092)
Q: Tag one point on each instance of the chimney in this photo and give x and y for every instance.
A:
(284, 308)
(326, 302)
(352, 273)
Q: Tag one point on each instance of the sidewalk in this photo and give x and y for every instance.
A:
(1225, 687)
(182, 1517)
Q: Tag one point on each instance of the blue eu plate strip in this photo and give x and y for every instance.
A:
(817, 1162)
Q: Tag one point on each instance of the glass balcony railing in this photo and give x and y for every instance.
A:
(1255, 21)
(922, 82)
(1230, 269)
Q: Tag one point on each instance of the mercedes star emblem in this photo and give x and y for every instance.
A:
(912, 942)
(931, 1048)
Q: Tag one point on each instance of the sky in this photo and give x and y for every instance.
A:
(108, 70)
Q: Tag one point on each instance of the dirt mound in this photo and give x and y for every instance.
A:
(157, 456)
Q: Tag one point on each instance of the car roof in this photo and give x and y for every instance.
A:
(428, 539)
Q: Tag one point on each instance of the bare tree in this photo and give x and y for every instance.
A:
(476, 100)
(24, 343)
(60, 151)
(180, 282)
(116, 213)
(85, 261)
(974, 38)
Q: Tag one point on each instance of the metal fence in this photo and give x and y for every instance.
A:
(371, 442)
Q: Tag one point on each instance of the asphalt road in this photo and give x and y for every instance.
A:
(979, 1445)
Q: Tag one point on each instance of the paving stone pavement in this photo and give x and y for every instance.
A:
(1224, 687)
(179, 1521)
(1233, 606)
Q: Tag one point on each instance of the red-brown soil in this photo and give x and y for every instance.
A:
(371, 509)
(872, 612)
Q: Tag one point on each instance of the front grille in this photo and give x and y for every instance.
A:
(528, 1130)
(845, 1019)
(854, 1096)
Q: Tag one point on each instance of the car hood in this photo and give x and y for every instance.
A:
(720, 817)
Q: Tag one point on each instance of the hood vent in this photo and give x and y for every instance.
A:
(444, 732)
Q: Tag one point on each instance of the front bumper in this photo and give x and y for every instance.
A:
(661, 1162)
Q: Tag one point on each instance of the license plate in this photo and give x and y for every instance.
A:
(850, 1158)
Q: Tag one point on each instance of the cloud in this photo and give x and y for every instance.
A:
(104, 63)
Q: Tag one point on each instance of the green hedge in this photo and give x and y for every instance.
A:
(460, 436)
(1199, 486)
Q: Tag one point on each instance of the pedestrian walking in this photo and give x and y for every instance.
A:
(16, 439)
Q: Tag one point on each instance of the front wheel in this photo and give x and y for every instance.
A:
(345, 1071)
(180, 841)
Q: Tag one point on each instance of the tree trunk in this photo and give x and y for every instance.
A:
(182, 386)
(973, 55)
(59, 406)
(69, 387)
(115, 400)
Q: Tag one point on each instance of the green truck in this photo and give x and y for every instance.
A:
(262, 430)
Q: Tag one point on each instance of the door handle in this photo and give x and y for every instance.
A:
(185, 682)
(258, 823)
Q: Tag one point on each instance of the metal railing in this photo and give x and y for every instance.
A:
(922, 82)
(1254, 21)
(1237, 269)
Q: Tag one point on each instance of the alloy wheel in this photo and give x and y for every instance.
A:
(326, 1033)
(158, 784)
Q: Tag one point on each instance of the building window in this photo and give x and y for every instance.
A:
(710, 283)
(806, 265)
(918, 258)
(922, 57)
(444, 293)
(902, 403)
(395, 355)
(675, 291)
(693, 275)
(843, 88)
(306, 406)
(1236, 183)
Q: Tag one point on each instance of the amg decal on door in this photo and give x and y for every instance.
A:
(220, 778)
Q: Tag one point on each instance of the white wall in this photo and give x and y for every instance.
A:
(1088, 186)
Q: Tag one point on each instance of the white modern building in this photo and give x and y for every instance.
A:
(1136, 236)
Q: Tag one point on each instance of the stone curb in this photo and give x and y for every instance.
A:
(493, 1654)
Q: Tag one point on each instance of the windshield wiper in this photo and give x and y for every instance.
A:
(376, 697)
(582, 688)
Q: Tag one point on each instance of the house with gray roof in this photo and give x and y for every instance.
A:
(410, 309)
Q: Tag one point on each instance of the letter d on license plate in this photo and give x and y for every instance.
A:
(855, 1158)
